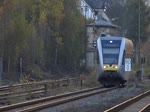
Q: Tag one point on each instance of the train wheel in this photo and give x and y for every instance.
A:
(121, 85)
(104, 85)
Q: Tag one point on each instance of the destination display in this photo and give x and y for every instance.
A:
(111, 44)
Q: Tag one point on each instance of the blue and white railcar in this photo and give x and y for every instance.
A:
(112, 52)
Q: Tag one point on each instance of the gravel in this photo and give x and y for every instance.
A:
(100, 102)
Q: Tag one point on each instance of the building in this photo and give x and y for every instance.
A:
(85, 9)
(102, 24)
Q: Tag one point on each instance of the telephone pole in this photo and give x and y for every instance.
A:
(85, 35)
(140, 68)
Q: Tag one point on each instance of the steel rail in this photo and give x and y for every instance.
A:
(4, 97)
(66, 99)
(40, 100)
(19, 92)
(23, 94)
(125, 104)
(7, 91)
(9, 87)
(146, 108)
(35, 83)
(25, 84)
(54, 98)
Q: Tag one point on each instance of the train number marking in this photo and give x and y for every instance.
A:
(128, 64)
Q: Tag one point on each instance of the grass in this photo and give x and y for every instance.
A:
(146, 69)
(91, 78)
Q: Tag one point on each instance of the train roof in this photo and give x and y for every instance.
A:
(115, 38)
(129, 46)
(128, 42)
(111, 38)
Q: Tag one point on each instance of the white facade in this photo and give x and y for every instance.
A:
(85, 9)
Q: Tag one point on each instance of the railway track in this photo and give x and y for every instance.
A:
(9, 93)
(43, 103)
(134, 104)
(146, 108)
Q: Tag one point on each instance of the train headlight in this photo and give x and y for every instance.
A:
(116, 67)
(111, 41)
(104, 67)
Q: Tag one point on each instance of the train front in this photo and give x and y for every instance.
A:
(110, 56)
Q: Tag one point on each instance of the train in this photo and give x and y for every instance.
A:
(111, 54)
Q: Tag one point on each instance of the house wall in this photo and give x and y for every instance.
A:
(85, 9)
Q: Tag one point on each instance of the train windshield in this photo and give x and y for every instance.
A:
(110, 50)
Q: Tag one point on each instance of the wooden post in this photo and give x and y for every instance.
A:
(58, 83)
(81, 80)
(45, 88)
(67, 82)
(21, 75)
(1, 68)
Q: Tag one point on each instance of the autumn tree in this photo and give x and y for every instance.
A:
(133, 20)
(72, 32)
(127, 14)
(46, 34)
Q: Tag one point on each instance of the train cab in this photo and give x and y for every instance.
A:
(111, 52)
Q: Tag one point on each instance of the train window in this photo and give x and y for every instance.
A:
(97, 57)
(108, 44)
(110, 55)
(123, 59)
(133, 60)
(110, 50)
(110, 58)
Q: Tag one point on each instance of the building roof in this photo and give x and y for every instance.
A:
(102, 23)
(96, 4)
(102, 19)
